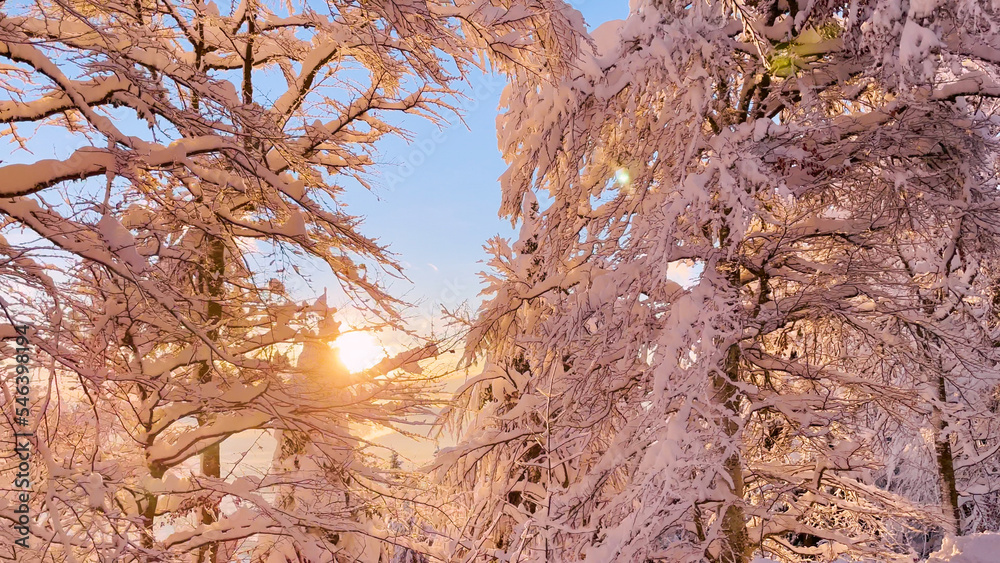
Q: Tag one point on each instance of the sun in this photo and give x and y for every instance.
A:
(358, 351)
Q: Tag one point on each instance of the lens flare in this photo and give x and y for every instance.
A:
(622, 176)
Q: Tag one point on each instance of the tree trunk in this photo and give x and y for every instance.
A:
(150, 501)
(946, 466)
(736, 542)
(942, 443)
(211, 457)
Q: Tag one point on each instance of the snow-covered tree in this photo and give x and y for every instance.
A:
(199, 153)
(827, 169)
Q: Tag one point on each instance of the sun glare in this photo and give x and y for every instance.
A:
(359, 351)
(622, 176)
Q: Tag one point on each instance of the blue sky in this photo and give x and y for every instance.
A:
(436, 215)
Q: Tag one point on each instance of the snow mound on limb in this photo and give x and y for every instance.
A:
(766, 560)
(978, 548)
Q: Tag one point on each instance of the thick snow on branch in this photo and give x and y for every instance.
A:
(87, 162)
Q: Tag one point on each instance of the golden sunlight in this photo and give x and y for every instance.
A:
(359, 351)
